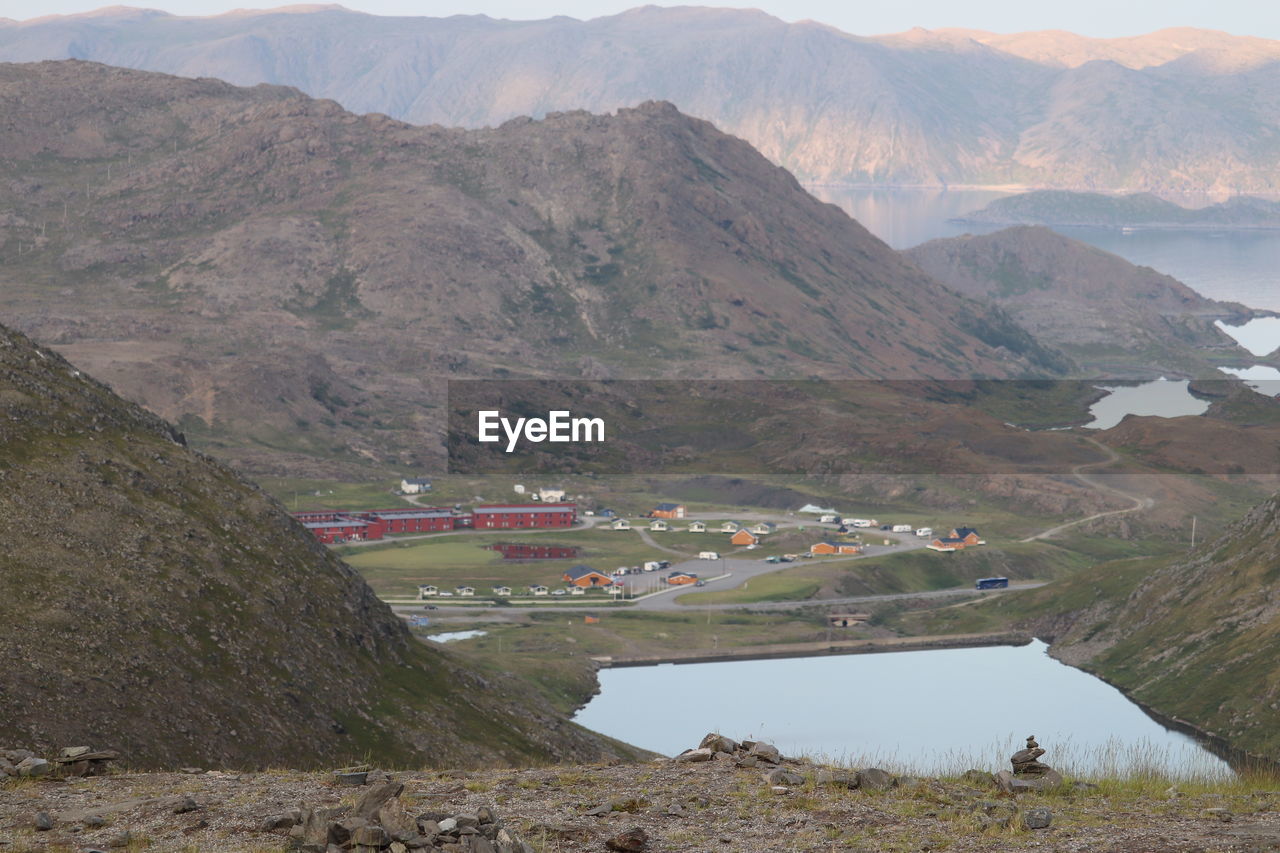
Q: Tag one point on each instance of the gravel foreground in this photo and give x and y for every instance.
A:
(711, 804)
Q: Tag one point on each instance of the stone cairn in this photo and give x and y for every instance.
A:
(1028, 772)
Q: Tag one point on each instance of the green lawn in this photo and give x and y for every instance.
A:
(397, 568)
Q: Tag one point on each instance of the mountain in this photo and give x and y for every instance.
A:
(1139, 210)
(1173, 110)
(1195, 639)
(1111, 316)
(190, 241)
(153, 602)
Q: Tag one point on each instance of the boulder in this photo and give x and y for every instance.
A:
(837, 778)
(1037, 818)
(633, 840)
(693, 755)
(43, 822)
(875, 779)
(372, 800)
(718, 743)
(779, 776)
(33, 767)
(766, 752)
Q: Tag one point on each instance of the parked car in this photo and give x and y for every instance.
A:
(559, 592)
(886, 527)
(699, 583)
(430, 607)
(773, 559)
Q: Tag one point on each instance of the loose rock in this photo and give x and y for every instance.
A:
(1038, 818)
(633, 840)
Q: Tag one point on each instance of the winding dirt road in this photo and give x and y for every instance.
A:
(1139, 502)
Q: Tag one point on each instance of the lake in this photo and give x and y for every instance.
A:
(1233, 266)
(1165, 398)
(923, 712)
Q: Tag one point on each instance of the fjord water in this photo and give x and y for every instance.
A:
(1165, 398)
(925, 712)
(1233, 266)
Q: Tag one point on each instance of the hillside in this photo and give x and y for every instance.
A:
(186, 240)
(1197, 639)
(1113, 317)
(1178, 109)
(1138, 210)
(153, 602)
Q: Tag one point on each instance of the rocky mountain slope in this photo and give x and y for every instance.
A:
(1174, 110)
(1196, 639)
(190, 241)
(1143, 210)
(1113, 317)
(154, 603)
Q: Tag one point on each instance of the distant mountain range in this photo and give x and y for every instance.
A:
(1137, 210)
(1178, 109)
(291, 282)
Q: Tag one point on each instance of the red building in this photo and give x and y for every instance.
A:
(524, 515)
(340, 528)
(423, 520)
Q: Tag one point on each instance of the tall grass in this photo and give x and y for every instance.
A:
(1113, 760)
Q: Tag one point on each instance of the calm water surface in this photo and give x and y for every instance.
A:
(1234, 266)
(1165, 398)
(928, 711)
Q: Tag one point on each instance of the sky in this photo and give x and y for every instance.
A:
(1102, 18)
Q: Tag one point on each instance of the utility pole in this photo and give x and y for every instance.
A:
(1193, 532)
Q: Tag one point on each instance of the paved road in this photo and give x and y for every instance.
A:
(733, 572)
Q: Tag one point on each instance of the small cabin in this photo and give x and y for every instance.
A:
(428, 591)
(730, 527)
(503, 591)
(620, 524)
(659, 524)
(764, 528)
(538, 589)
(466, 590)
(830, 548)
(744, 537)
(697, 527)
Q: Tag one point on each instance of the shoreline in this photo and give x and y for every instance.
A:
(820, 648)
(1121, 227)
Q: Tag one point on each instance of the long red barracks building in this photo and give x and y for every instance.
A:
(331, 526)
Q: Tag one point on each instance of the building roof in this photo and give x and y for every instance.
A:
(665, 507)
(337, 522)
(682, 574)
(418, 481)
(582, 572)
(496, 508)
(962, 532)
(412, 513)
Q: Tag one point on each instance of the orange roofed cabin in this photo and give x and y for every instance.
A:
(743, 537)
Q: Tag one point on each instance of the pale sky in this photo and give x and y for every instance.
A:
(863, 17)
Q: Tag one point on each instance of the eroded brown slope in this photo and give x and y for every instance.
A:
(296, 279)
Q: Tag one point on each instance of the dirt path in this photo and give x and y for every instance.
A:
(1139, 502)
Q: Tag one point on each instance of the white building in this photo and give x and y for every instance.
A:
(553, 496)
(415, 485)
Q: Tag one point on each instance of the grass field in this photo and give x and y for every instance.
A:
(397, 568)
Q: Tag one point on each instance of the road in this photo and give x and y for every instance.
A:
(1140, 502)
(732, 572)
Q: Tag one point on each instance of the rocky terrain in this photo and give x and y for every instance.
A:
(293, 283)
(725, 796)
(1139, 210)
(155, 604)
(1175, 110)
(1113, 317)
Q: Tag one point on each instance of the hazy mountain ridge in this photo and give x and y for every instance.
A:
(1144, 210)
(1174, 110)
(155, 603)
(188, 239)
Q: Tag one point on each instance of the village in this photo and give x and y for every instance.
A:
(678, 548)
